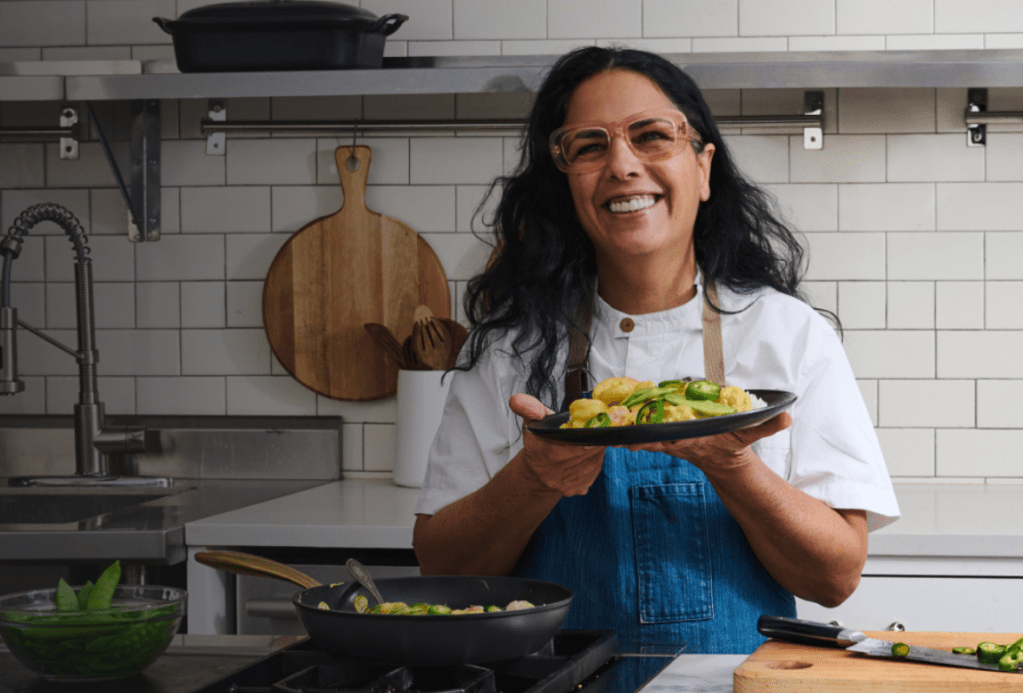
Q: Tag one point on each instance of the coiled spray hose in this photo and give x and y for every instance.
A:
(10, 246)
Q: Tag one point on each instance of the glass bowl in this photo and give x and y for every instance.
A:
(91, 645)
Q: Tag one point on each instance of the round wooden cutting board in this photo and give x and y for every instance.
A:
(336, 274)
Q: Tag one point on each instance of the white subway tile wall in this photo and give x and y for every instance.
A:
(914, 239)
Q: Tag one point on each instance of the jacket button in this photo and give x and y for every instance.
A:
(627, 324)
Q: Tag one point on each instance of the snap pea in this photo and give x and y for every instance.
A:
(66, 598)
(103, 592)
(83, 595)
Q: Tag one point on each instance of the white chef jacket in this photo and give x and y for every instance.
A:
(775, 342)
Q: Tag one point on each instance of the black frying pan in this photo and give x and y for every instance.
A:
(409, 640)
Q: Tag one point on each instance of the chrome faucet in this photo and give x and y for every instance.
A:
(94, 440)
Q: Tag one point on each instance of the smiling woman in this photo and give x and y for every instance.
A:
(637, 202)
(632, 248)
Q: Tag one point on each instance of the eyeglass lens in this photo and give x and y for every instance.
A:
(650, 138)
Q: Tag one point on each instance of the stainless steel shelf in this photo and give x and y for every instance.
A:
(489, 74)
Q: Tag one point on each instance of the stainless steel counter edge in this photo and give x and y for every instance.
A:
(151, 532)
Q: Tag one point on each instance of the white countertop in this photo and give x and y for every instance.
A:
(696, 674)
(938, 520)
(352, 513)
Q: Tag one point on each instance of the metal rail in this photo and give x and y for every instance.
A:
(406, 128)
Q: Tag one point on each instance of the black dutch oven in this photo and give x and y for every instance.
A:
(279, 35)
(328, 614)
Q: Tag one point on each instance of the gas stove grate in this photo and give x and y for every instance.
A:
(568, 659)
(348, 677)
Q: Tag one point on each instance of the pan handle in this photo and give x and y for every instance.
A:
(248, 564)
(388, 24)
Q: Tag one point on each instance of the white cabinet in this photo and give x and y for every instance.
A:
(926, 603)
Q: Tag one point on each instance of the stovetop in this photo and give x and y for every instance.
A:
(583, 661)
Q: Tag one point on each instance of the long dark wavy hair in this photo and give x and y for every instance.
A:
(546, 263)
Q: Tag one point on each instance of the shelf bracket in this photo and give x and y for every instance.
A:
(813, 105)
(69, 143)
(976, 102)
(216, 142)
(144, 180)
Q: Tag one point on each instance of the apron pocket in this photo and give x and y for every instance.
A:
(673, 562)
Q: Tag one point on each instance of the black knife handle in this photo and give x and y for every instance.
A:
(806, 632)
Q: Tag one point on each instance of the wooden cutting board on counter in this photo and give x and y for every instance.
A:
(338, 273)
(783, 667)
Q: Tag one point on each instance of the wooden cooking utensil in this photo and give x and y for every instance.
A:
(411, 360)
(386, 339)
(458, 336)
(430, 339)
(248, 564)
(338, 273)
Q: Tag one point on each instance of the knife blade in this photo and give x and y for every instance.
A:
(827, 635)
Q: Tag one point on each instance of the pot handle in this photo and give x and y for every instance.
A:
(164, 24)
(388, 24)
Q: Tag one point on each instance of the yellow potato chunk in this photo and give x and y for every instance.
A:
(678, 413)
(613, 390)
(582, 410)
(735, 397)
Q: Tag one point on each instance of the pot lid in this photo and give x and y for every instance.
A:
(267, 11)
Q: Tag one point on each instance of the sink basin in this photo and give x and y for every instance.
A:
(31, 506)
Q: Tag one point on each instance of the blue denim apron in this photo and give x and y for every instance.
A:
(650, 550)
(652, 553)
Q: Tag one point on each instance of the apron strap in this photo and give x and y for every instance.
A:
(713, 350)
(576, 380)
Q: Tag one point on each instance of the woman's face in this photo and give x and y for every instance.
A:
(669, 190)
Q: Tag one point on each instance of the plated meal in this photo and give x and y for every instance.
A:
(623, 411)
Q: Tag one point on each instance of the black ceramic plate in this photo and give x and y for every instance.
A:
(777, 402)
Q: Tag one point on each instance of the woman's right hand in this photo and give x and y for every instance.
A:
(566, 468)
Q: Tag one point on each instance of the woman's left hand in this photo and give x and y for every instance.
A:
(722, 452)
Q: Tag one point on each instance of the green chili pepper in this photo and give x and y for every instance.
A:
(703, 390)
(673, 384)
(1016, 646)
(651, 412)
(601, 420)
(989, 653)
(66, 598)
(964, 650)
(103, 591)
(1010, 661)
(900, 649)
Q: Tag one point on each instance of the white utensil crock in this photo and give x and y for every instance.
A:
(421, 398)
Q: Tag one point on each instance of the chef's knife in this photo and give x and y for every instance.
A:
(826, 635)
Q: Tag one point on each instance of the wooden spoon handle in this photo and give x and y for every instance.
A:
(248, 564)
(386, 339)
